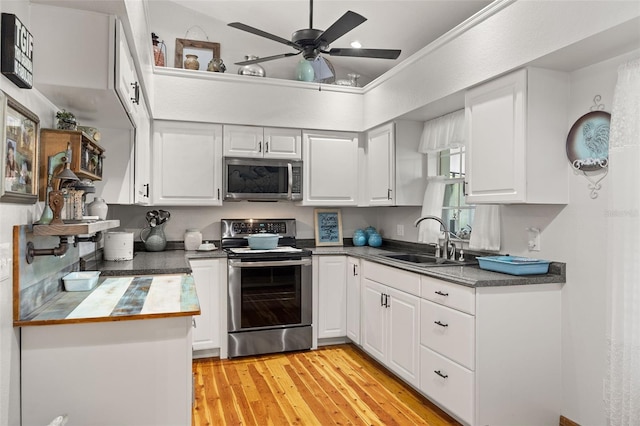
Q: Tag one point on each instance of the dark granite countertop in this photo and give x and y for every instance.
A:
(470, 276)
(176, 261)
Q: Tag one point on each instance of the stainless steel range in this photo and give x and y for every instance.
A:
(269, 306)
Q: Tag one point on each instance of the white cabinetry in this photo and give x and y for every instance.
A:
(353, 299)
(381, 165)
(516, 133)
(210, 276)
(391, 318)
(332, 295)
(187, 163)
(259, 142)
(396, 171)
(330, 168)
(491, 355)
(153, 353)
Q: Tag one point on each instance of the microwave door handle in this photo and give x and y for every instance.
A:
(290, 176)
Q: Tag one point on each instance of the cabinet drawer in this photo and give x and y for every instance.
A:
(453, 295)
(393, 277)
(448, 332)
(447, 384)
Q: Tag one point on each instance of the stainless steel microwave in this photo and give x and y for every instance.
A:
(262, 179)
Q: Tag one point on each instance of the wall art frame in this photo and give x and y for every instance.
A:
(20, 150)
(205, 50)
(328, 227)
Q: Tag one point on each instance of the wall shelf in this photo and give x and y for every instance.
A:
(75, 228)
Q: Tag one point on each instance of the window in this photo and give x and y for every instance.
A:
(455, 212)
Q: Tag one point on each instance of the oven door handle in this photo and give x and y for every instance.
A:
(290, 181)
(240, 264)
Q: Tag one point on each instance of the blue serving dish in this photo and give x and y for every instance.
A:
(514, 265)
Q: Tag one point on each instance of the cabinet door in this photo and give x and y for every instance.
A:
(142, 178)
(187, 164)
(206, 274)
(243, 141)
(373, 319)
(126, 80)
(353, 299)
(332, 295)
(495, 117)
(282, 143)
(381, 165)
(403, 338)
(330, 171)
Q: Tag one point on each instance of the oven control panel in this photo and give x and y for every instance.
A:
(233, 228)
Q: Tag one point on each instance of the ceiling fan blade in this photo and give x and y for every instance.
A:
(346, 23)
(252, 30)
(266, 58)
(366, 53)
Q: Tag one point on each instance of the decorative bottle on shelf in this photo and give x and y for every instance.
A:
(191, 63)
(192, 239)
(252, 69)
(375, 240)
(98, 207)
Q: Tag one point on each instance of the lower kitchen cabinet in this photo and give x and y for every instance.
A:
(491, 355)
(353, 299)
(331, 282)
(127, 373)
(187, 164)
(210, 276)
(391, 319)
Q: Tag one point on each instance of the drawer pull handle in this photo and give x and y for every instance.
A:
(441, 293)
(441, 324)
(444, 376)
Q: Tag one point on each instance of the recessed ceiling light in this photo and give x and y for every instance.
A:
(356, 44)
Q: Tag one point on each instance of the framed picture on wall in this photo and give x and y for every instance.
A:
(328, 227)
(20, 128)
(204, 50)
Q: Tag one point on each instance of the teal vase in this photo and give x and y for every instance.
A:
(375, 240)
(359, 238)
(304, 71)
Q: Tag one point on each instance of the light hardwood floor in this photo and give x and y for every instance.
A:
(334, 385)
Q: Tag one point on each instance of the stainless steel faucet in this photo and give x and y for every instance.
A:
(443, 253)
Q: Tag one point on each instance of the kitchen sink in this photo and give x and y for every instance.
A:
(427, 260)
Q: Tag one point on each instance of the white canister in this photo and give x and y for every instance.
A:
(192, 239)
(118, 246)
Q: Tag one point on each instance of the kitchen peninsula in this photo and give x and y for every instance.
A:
(102, 356)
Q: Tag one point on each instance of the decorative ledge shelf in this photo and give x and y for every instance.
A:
(80, 228)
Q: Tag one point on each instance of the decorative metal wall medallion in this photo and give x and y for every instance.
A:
(588, 146)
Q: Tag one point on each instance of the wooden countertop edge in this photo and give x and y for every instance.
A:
(28, 323)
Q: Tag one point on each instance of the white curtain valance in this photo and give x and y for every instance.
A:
(443, 133)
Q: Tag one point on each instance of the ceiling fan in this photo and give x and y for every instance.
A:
(311, 42)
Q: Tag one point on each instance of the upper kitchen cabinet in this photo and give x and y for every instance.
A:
(187, 164)
(330, 168)
(516, 133)
(83, 64)
(262, 142)
(396, 171)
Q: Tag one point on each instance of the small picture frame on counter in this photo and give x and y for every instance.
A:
(328, 227)
(20, 144)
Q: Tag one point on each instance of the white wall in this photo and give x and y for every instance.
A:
(11, 214)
